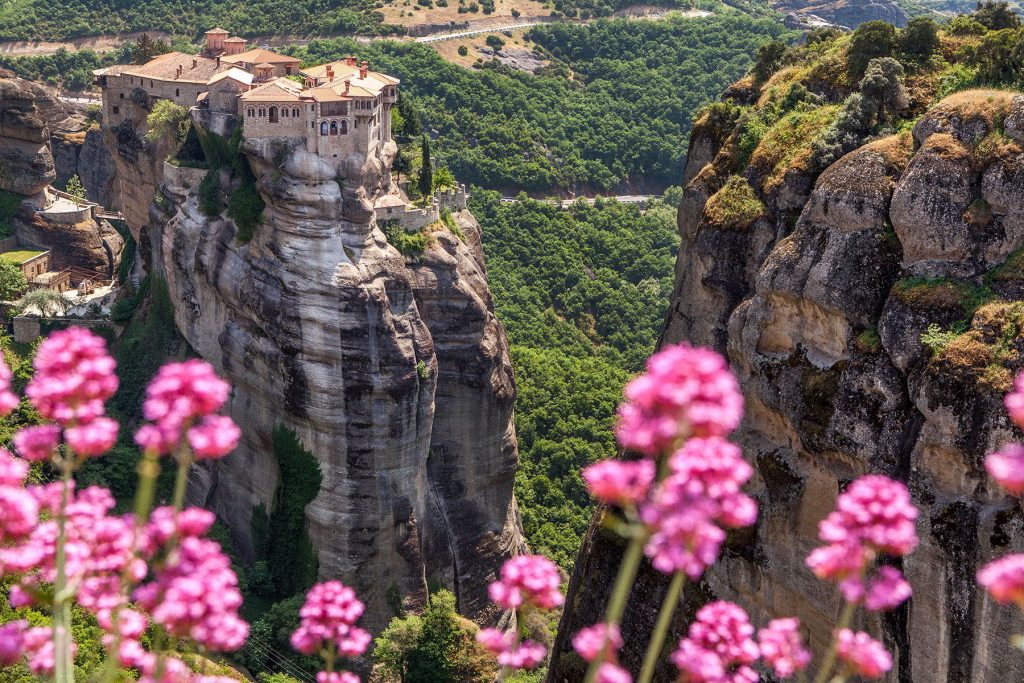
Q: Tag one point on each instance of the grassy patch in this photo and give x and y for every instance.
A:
(734, 207)
(787, 144)
(868, 341)
(410, 244)
(21, 255)
(943, 293)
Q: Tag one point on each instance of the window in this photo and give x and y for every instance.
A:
(122, 96)
(249, 111)
(334, 127)
(344, 127)
(284, 111)
(177, 92)
(295, 111)
(273, 114)
(151, 84)
(323, 128)
(288, 70)
(117, 110)
(263, 112)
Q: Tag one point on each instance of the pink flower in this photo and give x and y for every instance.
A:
(37, 443)
(590, 641)
(12, 641)
(8, 401)
(685, 392)
(12, 470)
(179, 396)
(74, 375)
(1014, 401)
(887, 590)
(530, 579)
(195, 595)
(329, 615)
(702, 492)
(19, 513)
(1006, 465)
(613, 673)
(783, 648)
(527, 655)
(719, 647)
(618, 482)
(215, 437)
(874, 511)
(1004, 579)
(92, 438)
(865, 655)
(336, 677)
(39, 649)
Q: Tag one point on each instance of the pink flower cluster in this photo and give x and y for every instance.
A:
(528, 579)
(1006, 466)
(510, 651)
(19, 509)
(1004, 579)
(719, 647)
(701, 494)
(8, 400)
(182, 399)
(685, 392)
(74, 375)
(863, 654)
(873, 516)
(782, 647)
(604, 641)
(618, 482)
(194, 593)
(328, 619)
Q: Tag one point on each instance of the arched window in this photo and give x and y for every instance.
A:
(323, 128)
(344, 127)
(284, 112)
(295, 111)
(263, 112)
(273, 114)
(334, 127)
(248, 112)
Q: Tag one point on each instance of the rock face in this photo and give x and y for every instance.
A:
(82, 153)
(393, 371)
(848, 13)
(26, 164)
(823, 324)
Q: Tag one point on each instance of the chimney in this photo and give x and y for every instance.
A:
(218, 61)
(330, 73)
(347, 83)
(363, 69)
(195, 62)
(178, 75)
(350, 60)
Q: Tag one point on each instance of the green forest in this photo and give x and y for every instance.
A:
(582, 294)
(616, 113)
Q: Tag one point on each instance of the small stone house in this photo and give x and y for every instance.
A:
(32, 262)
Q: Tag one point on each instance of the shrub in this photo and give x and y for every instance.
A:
(965, 26)
(209, 193)
(12, 280)
(734, 207)
(999, 57)
(407, 244)
(920, 38)
(936, 339)
(995, 16)
(9, 205)
(495, 42)
(769, 58)
(872, 39)
(463, 50)
(166, 119)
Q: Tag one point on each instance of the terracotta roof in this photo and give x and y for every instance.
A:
(264, 65)
(359, 87)
(277, 90)
(325, 95)
(218, 31)
(259, 55)
(165, 67)
(235, 39)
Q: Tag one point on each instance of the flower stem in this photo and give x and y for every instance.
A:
(620, 592)
(184, 459)
(668, 608)
(829, 661)
(64, 663)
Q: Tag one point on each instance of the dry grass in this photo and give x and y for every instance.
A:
(734, 207)
(408, 13)
(449, 49)
(787, 145)
(779, 83)
(989, 105)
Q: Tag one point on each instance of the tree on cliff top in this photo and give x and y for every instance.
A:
(995, 16)
(426, 181)
(872, 39)
(74, 187)
(145, 48)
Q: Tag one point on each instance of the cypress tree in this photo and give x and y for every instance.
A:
(426, 183)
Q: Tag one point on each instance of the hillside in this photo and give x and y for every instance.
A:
(851, 239)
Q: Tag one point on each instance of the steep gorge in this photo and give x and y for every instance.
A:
(823, 304)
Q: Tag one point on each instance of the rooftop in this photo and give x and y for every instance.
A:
(278, 90)
(240, 75)
(259, 55)
(217, 31)
(21, 256)
(194, 69)
(374, 82)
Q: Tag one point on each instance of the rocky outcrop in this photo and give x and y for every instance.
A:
(392, 370)
(822, 319)
(90, 244)
(846, 13)
(82, 153)
(26, 164)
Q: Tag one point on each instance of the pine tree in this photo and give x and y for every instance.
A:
(74, 187)
(426, 182)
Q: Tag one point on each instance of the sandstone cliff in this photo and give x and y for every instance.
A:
(823, 306)
(393, 371)
(847, 13)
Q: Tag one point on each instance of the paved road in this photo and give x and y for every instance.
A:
(477, 31)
